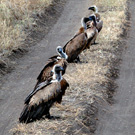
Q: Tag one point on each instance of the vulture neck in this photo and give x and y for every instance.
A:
(63, 55)
(57, 77)
(96, 9)
(83, 23)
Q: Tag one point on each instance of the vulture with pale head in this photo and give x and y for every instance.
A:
(45, 74)
(39, 102)
(99, 22)
(90, 29)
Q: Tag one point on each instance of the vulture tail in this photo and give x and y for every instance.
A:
(33, 113)
(24, 115)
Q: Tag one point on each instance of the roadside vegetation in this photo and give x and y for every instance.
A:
(15, 18)
(91, 81)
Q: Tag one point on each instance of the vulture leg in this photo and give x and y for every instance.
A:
(95, 37)
(77, 60)
(49, 116)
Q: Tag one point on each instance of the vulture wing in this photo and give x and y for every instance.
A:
(45, 74)
(64, 84)
(75, 46)
(53, 58)
(50, 63)
(40, 102)
(64, 48)
(99, 25)
(39, 87)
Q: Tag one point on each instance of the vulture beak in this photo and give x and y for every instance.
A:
(91, 8)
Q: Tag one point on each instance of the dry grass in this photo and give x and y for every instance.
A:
(88, 80)
(14, 16)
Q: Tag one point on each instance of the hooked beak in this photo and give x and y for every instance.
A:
(91, 8)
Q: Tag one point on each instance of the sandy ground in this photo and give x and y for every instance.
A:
(20, 82)
(119, 119)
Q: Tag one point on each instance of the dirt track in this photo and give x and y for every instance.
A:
(21, 81)
(119, 119)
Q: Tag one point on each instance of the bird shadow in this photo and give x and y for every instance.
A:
(52, 118)
(94, 44)
(44, 118)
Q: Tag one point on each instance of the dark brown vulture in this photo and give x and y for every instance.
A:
(98, 18)
(39, 102)
(75, 46)
(45, 74)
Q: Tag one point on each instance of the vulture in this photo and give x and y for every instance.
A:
(98, 18)
(75, 46)
(82, 40)
(45, 74)
(39, 102)
(90, 29)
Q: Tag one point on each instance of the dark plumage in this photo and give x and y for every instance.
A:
(90, 29)
(39, 102)
(75, 46)
(45, 74)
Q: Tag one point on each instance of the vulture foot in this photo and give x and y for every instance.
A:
(77, 60)
(48, 116)
(94, 43)
(52, 117)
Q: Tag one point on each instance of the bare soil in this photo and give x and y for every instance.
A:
(84, 104)
(119, 118)
(45, 20)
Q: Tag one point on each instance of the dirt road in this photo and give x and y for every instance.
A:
(21, 81)
(120, 117)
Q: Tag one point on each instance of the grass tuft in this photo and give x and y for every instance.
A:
(15, 15)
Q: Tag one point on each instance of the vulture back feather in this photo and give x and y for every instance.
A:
(75, 46)
(40, 102)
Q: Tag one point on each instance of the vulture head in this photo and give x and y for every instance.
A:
(84, 20)
(88, 22)
(57, 76)
(93, 8)
(59, 50)
(91, 22)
